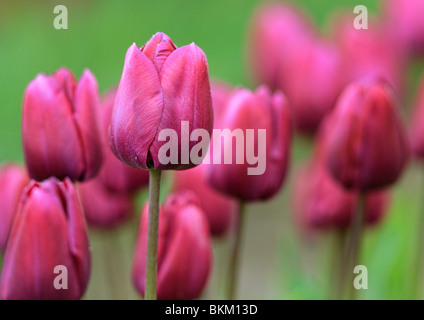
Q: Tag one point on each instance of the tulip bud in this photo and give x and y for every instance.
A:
(60, 128)
(114, 175)
(268, 117)
(184, 249)
(322, 204)
(366, 146)
(404, 19)
(13, 180)
(417, 128)
(104, 208)
(161, 86)
(47, 255)
(277, 30)
(221, 211)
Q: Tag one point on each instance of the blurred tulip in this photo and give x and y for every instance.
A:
(322, 204)
(104, 208)
(221, 211)
(370, 53)
(221, 95)
(48, 231)
(366, 146)
(115, 175)
(313, 82)
(60, 129)
(185, 251)
(160, 87)
(417, 128)
(404, 19)
(258, 110)
(13, 180)
(276, 31)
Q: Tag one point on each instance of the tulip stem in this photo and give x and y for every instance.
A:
(152, 234)
(419, 264)
(355, 241)
(235, 254)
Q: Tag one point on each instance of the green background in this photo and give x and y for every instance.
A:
(277, 261)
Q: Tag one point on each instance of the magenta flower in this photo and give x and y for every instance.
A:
(60, 129)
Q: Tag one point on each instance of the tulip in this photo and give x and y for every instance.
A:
(47, 255)
(366, 147)
(221, 93)
(104, 208)
(160, 87)
(417, 130)
(322, 204)
(184, 251)
(114, 175)
(276, 32)
(254, 110)
(13, 180)
(370, 53)
(404, 19)
(221, 211)
(60, 128)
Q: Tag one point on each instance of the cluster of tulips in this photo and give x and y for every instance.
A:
(87, 156)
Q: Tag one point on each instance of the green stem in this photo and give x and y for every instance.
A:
(152, 237)
(235, 255)
(418, 287)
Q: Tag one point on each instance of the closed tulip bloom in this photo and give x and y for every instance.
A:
(405, 20)
(417, 128)
(161, 86)
(366, 147)
(221, 211)
(254, 111)
(13, 180)
(103, 207)
(322, 204)
(184, 252)
(276, 31)
(48, 231)
(60, 129)
(313, 83)
(221, 94)
(115, 175)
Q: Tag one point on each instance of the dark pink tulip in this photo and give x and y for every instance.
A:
(221, 211)
(60, 128)
(322, 204)
(160, 87)
(184, 252)
(276, 32)
(313, 82)
(404, 19)
(417, 128)
(114, 175)
(104, 208)
(258, 110)
(370, 53)
(13, 180)
(366, 146)
(48, 231)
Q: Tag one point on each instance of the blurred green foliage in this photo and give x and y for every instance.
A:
(98, 36)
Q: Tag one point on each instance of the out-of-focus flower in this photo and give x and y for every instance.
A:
(322, 204)
(48, 231)
(115, 175)
(417, 127)
(259, 112)
(160, 87)
(276, 32)
(184, 252)
(221, 95)
(221, 211)
(370, 53)
(404, 20)
(366, 146)
(104, 208)
(60, 129)
(13, 180)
